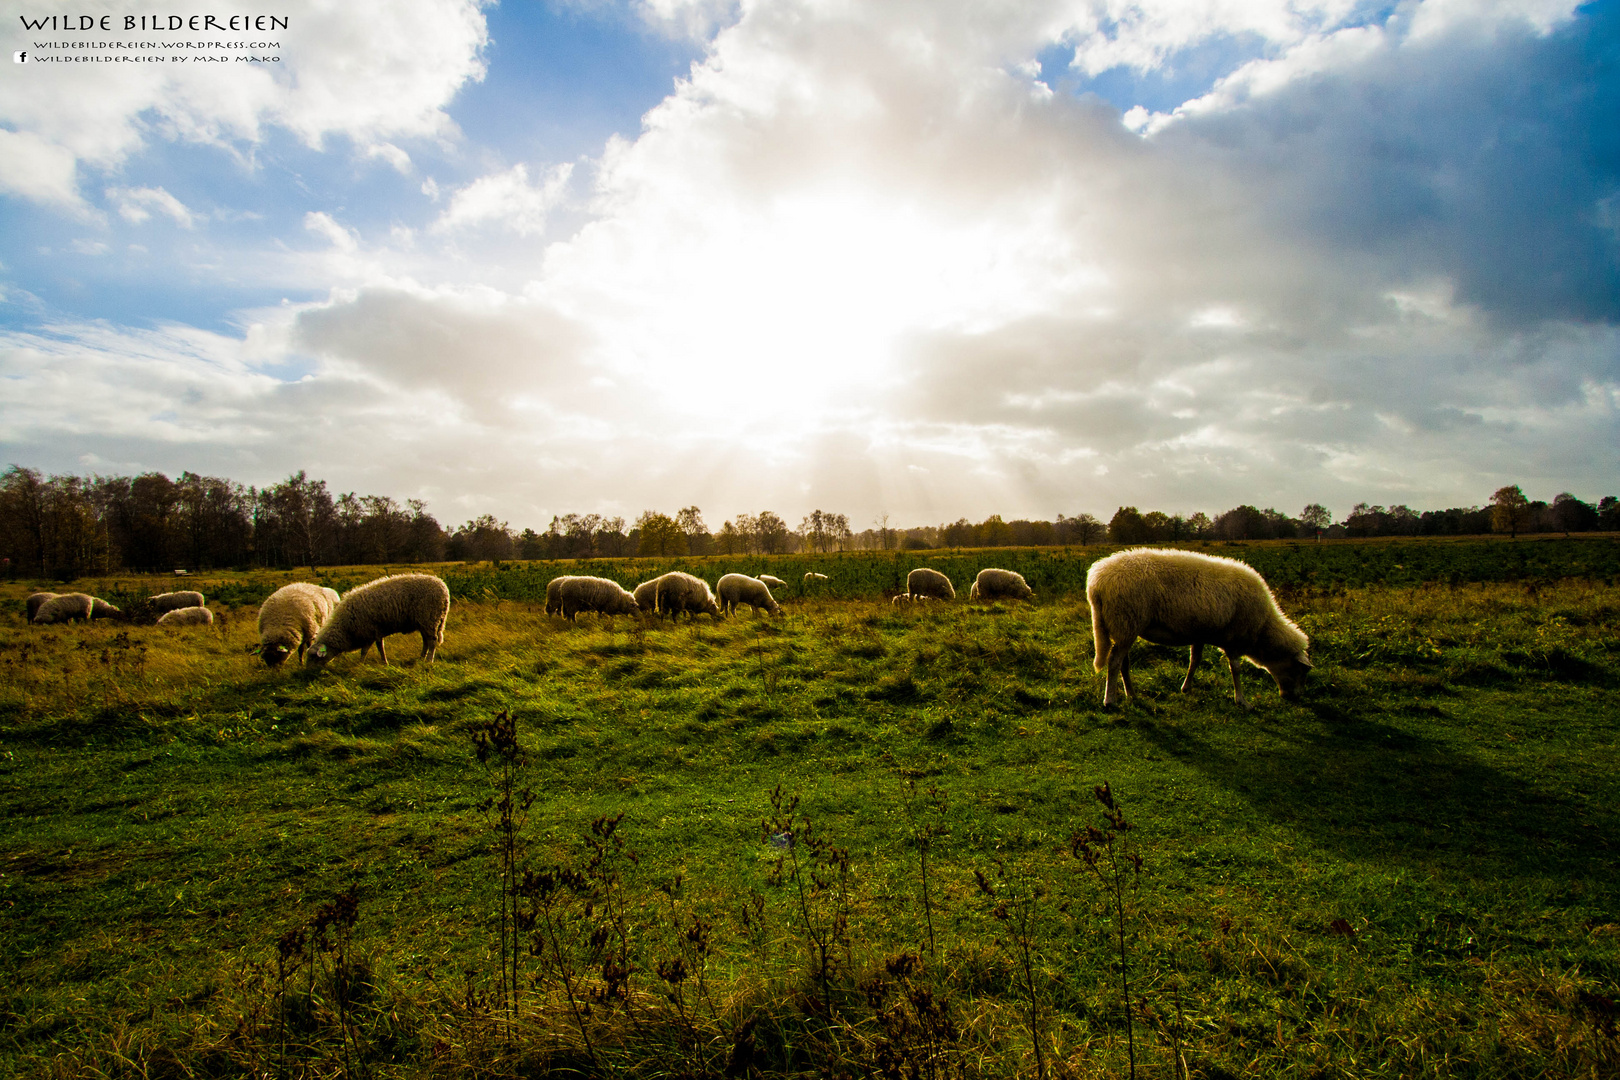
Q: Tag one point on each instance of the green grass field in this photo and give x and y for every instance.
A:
(1410, 872)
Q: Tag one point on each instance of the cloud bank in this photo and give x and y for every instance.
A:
(867, 258)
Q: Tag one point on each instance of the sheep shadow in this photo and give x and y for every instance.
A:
(1369, 789)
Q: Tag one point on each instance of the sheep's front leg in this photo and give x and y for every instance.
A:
(1192, 666)
(1232, 661)
(383, 656)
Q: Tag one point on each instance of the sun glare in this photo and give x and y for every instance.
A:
(782, 319)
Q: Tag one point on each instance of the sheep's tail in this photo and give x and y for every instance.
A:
(1099, 634)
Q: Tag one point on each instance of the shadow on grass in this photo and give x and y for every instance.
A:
(1371, 790)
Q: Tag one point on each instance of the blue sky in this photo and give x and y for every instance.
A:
(924, 258)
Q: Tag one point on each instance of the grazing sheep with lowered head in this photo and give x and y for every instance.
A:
(400, 604)
(1184, 598)
(72, 607)
(992, 584)
(187, 616)
(290, 618)
(734, 589)
(925, 582)
(174, 601)
(813, 578)
(771, 582)
(678, 591)
(37, 600)
(570, 595)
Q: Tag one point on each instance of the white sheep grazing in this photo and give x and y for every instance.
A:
(36, 601)
(1174, 597)
(68, 607)
(734, 589)
(187, 616)
(925, 582)
(992, 584)
(645, 596)
(174, 601)
(813, 578)
(400, 604)
(570, 595)
(290, 618)
(100, 609)
(771, 582)
(677, 591)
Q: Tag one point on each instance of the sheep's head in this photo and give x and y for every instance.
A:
(318, 656)
(273, 655)
(1290, 674)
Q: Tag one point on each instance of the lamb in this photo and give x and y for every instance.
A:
(187, 616)
(400, 604)
(570, 595)
(36, 600)
(71, 607)
(992, 584)
(735, 589)
(290, 618)
(676, 592)
(1184, 598)
(925, 582)
(771, 582)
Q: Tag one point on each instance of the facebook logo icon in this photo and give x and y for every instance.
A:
(19, 57)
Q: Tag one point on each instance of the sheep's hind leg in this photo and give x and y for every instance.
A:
(1192, 666)
(1117, 666)
(1232, 661)
(1125, 675)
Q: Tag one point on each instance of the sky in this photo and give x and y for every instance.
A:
(927, 259)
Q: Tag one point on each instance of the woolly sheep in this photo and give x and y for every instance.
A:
(37, 600)
(401, 604)
(734, 589)
(1184, 598)
(677, 591)
(925, 582)
(290, 618)
(645, 596)
(812, 576)
(73, 608)
(187, 616)
(992, 584)
(570, 595)
(771, 582)
(174, 601)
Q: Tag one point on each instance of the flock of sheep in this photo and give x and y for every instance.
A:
(1167, 597)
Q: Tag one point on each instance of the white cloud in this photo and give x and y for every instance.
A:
(506, 199)
(135, 205)
(322, 224)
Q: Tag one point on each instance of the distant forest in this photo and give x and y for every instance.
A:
(68, 526)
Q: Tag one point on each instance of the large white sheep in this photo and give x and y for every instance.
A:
(187, 616)
(678, 591)
(734, 589)
(37, 600)
(1174, 597)
(993, 584)
(925, 582)
(290, 618)
(69, 607)
(400, 604)
(570, 595)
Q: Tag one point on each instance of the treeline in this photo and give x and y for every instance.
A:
(67, 526)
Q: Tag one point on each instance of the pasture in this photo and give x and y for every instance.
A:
(848, 842)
